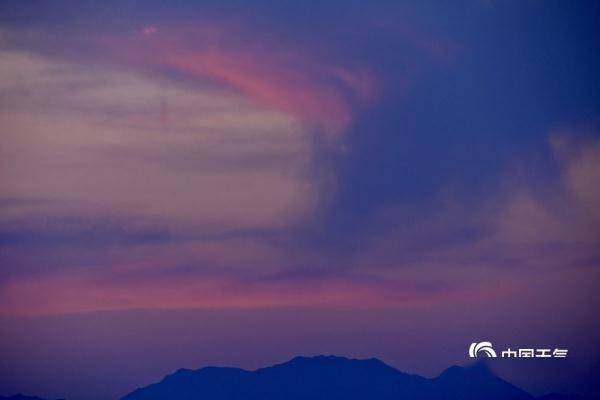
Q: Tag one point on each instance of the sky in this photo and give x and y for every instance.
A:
(239, 182)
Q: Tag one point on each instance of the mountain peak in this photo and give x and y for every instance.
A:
(336, 363)
(478, 369)
(323, 358)
(183, 371)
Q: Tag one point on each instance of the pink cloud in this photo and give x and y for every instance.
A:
(149, 30)
(309, 86)
(74, 292)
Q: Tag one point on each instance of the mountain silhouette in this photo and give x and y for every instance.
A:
(329, 377)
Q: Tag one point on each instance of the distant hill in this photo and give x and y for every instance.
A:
(329, 377)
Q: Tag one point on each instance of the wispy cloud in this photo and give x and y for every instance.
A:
(318, 91)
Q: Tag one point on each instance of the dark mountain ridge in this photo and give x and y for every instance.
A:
(329, 377)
